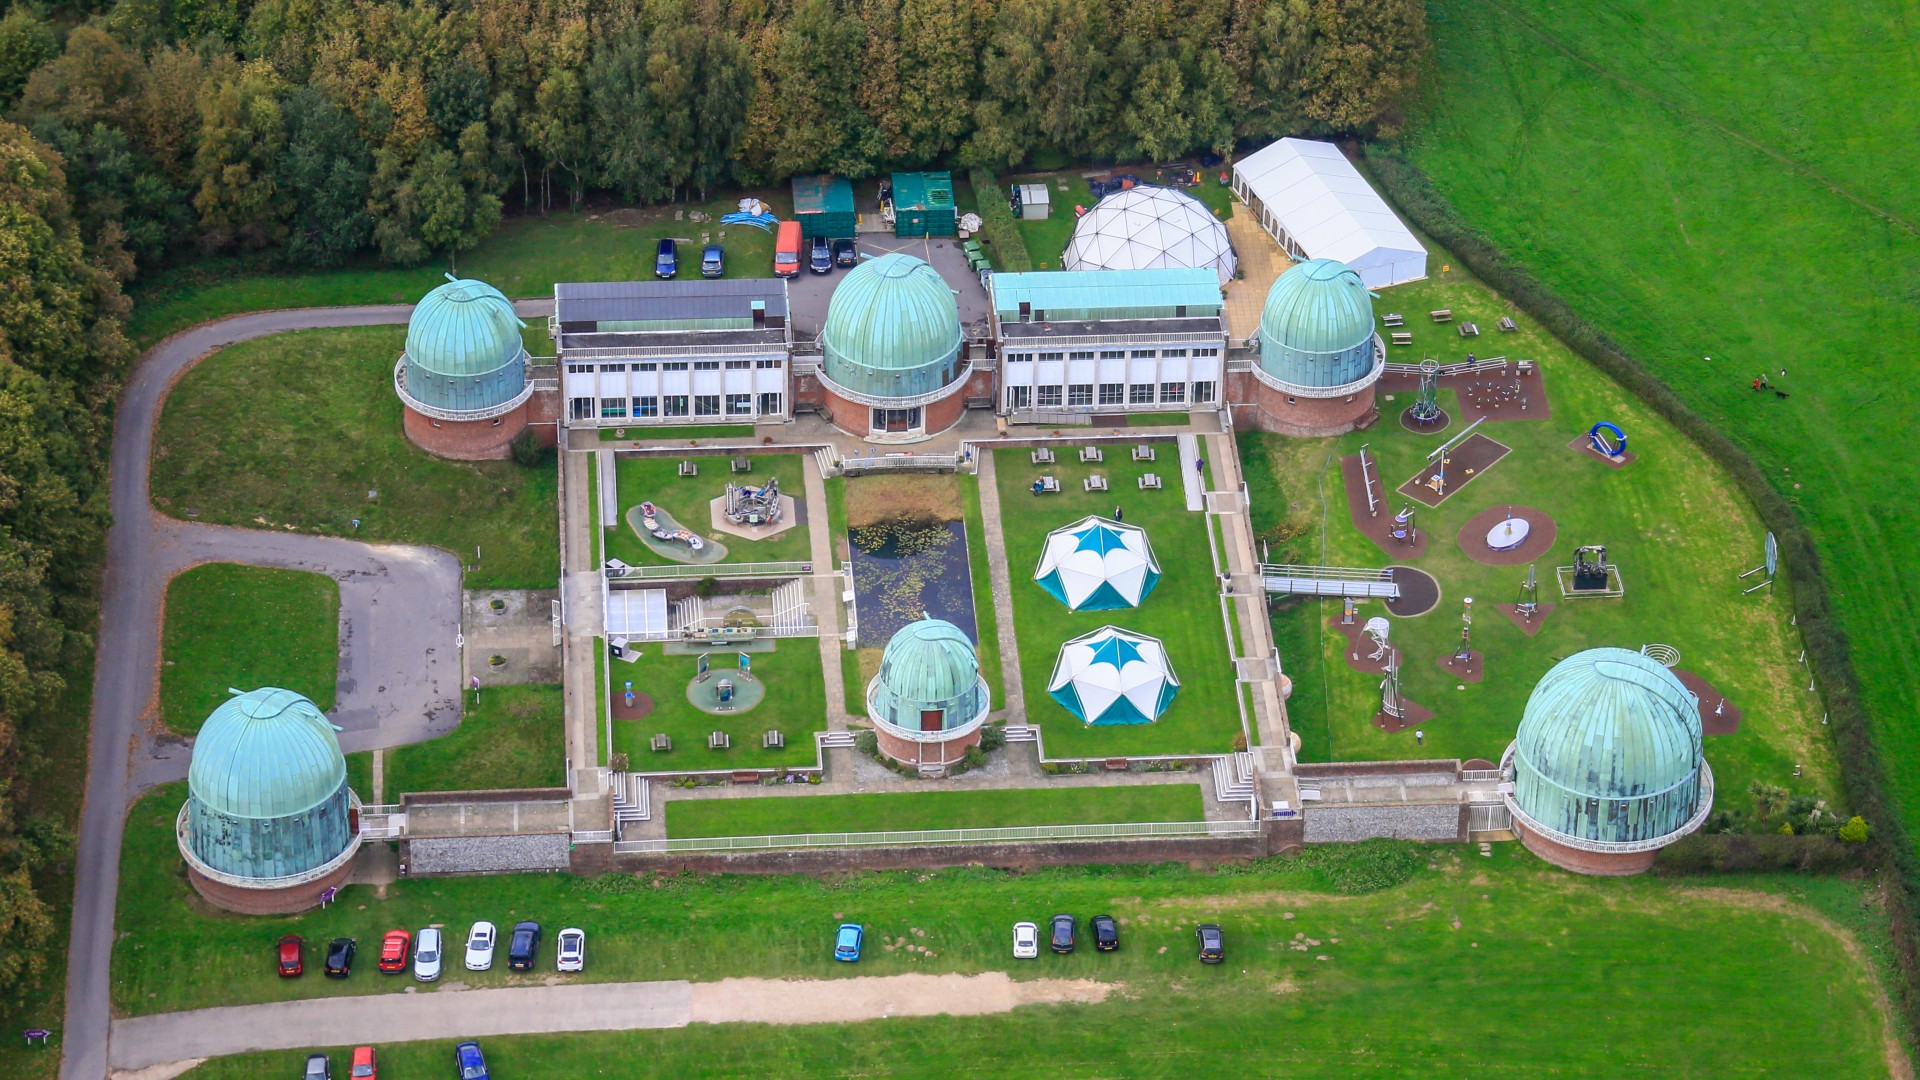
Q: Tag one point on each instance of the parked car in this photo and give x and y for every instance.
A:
(469, 1062)
(1106, 933)
(713, 261)
(846, 945)
(426, 954)
(666, 260)
(340, 957)
(480, 942)
(1213, 948)
(396, 948)
(844, 252)
(292, 954)
(1026, 941)
(820, 261)
(523, 947)
(1062, 940)
(786, 250)
(363, 1064)
(319, 1067)
(570, 949)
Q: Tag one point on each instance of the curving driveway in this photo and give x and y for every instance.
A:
(399, 668)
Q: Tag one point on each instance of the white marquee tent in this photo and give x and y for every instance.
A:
(1312, 199)
(1150, 228)
(1097, 565)
(1114, 676)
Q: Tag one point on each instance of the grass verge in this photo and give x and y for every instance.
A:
(513, 737)
(982, 809)
(246, 627)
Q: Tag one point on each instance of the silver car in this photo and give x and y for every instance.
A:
(572, 952)
(426, 955)
(480, 941)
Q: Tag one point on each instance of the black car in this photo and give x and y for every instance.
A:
(1106, 933)
(666, 260)
(1062, 939)
(844, 253)
(524, 946)
(340, 957)
(1213, 949)
(821, 260)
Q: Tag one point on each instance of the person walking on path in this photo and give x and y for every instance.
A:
(1200, 465)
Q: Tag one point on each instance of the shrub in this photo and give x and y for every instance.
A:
(1704, 853)
(1854, 831)
(528, 451)
(1239, 742)
(993, 737)
(999, 233)
(706, 587)
(866, 742)
(618, 762)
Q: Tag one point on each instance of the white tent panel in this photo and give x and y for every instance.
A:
(1318, 206)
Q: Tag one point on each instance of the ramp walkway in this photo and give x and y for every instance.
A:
(1328, 581)
(1194, 479)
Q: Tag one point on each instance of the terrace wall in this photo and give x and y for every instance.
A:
(1445, 822)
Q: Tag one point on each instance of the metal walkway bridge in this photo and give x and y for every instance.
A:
(1329, 581)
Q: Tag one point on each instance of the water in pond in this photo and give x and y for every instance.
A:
(903, 569)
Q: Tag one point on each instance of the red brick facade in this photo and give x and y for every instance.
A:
(1259, 406)
(1595, 863)
(268, 901)
(913, 753)
(856, 419)
(467, 440)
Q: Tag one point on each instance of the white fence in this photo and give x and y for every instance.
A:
(685, 571)
(920, 837)
(901, 463)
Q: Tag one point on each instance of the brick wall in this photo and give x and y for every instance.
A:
(465, 440)
(1197, 850)
(268, 901)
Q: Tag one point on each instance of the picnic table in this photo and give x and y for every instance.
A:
(1095, 482)
(1046, 485)
(1042, 456)
(1401, 337)
(1143, 452)
(1442, 315)
(1150, 482)
(1090, 454)
(688, 468)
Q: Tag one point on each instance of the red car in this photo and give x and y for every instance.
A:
(395, 949)
(362, 1063)
(292, 952)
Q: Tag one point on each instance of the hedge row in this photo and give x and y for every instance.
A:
(1413, 193)
(1723, 853)
(999, 233)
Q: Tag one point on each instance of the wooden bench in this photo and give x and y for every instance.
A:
(1095, 483)
(1523, 367)
(1442, 315)
(1115, 764)
(1468, 329)
(1506, 325)
(1091, 454)
(1143, 452)
(1401, 337)
(1150, 482)
(1046, 485)
(1393, 318)
(661, 743)
(688, 468)
(773, 740)
(1042, 456)
(745, 776)
(741, 464)
(718, 741)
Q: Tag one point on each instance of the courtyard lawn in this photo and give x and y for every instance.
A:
(1688, 981)
(1674, 524)
(976, 809)
(514, 737)
(295, 431)
(525, 257)
(1183, 610)
(731, 432)
(795, 703)
(986, 615)
(1692, 203)
(656, 477)
(246, 627)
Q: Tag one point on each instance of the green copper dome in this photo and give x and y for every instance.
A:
(1609, 749)
(893, 330)
(929, 666)
(267, 787)
(464, 352)
(1316, 330)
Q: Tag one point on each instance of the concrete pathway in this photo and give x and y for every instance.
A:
(826, 592)
(1014, 704)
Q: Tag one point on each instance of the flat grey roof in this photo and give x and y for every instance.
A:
(1029, 333)
(699, 298)
(664, 339)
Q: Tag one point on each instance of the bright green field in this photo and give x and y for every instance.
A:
(246, 627)
(796, 703)
(514, 737)
(981, 809)
(1733, 182)
(292, 431)
(1673, 523)
(657, 478)
(1182, 611)
(524, 258)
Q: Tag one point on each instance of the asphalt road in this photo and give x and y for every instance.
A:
(399, 671)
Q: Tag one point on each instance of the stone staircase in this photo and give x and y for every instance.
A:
(828, 740)
(632, 799)
(1022, 733)
(1233, 777)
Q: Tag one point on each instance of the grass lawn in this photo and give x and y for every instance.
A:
(1182, 611)
(1688, 983)
(292, 432)
(1698, 185)
(524, 258)
(985, 612)
(246, 627)
(981, 809)
(796, 703)
(515, 737)
(657, 478)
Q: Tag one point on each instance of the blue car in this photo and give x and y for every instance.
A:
(469, 1061)
(713, 261)
(666, 259)
(847, 945)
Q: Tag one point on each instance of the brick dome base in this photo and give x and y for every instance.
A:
(465, 440)
(915, 753)
(268, 901)
(1598, 864)
(1263, 408)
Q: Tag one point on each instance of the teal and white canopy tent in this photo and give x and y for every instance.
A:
(1114, 676)
(1096, 564)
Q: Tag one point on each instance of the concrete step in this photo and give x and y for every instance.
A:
(830, 739)
(1022, 733)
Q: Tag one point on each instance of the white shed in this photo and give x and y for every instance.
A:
(1035, 201)
(1312, 199)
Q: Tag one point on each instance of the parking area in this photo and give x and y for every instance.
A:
(808, 294)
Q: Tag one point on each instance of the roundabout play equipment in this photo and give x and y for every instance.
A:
(1508, 533)
(724, 693)
(1615, 447)
(753, 505)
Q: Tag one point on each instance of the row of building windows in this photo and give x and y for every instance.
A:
(673, 365)
(673, 405)
(1085, 395)
(1112, 354)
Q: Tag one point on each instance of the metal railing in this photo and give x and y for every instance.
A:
(683, 571)
(1323, 573)
(1462, 368)
(901, 462)
(914, 838)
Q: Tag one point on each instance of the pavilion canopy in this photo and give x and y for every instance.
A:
(1096, 564)
(1114, 676)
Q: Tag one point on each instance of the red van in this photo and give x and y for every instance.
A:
(786, 250)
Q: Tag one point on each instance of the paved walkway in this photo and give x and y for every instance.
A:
(1000, 575)
(827, 586)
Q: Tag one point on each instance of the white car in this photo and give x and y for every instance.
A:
(572, 952)
(1026, 941)
(480, 942)
(426, 955)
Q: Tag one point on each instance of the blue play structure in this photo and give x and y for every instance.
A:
(1598, 436)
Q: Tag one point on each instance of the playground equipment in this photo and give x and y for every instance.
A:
(1465, 655)
(1438, 479)
(1391, 703)
(1591, 576)
(1529, 603)
(1426, 410)
(1508, 533)
(1366, 476)
(1346, 611)
(1770, 564)
(753, 505)
(1403, 528)
(1377, 630)
(1613, 449)
(650, 520)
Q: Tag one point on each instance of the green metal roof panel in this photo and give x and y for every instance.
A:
(822, 195)
(1064, 295)
(892, 329)
(267, 753)
(929, 664)
(922, 191)
(1609, 748)
(464, 327)
(1317, 326)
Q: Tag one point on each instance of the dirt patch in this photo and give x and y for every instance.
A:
(873, 499)
(1376, 522)
(156, 1072)
(1465, 463)
(1412, 715)
(1529, 626)
(1360, 647)
(1718, 716)
(1470, 670)
(1432, 427)
(1493, 521)
(641, 708)
(835, 1001)
(1584, 445)
(1497, 396)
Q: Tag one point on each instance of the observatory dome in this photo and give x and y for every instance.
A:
(1149, 228)
(929, 675)
(1316, 330)
(464, 352)
(892, 330)
(267, 788)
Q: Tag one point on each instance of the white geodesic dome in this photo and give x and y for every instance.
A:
(1147, 228)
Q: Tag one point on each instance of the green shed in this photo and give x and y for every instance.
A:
(823, 205)
(923, 204)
